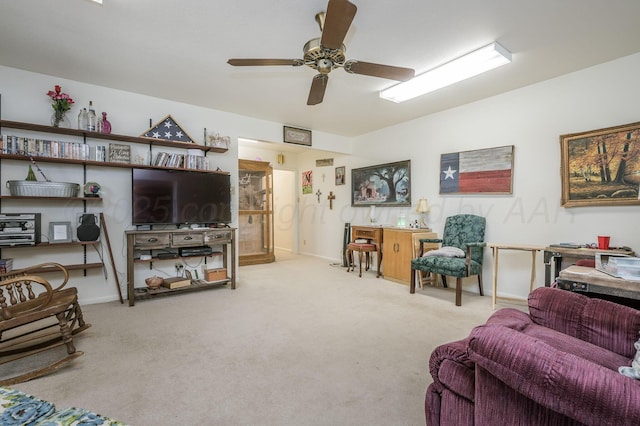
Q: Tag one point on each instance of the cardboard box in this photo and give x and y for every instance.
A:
(176, 282)
(216, 274)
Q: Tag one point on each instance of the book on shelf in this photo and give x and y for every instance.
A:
(161, 158)
(176, 282)
(6, 265)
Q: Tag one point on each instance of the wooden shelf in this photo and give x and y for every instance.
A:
(100, 163)
(142, 293)
(108, 136)
(159, 259)
(47, 244)
(34, 197)
(74, 267)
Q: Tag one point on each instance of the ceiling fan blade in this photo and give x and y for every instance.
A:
(377, 70)
(340, 13)
(258, 62)
(318, 86)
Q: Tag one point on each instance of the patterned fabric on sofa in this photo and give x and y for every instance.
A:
(19, 408)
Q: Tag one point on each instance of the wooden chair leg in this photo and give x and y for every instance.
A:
(480, 284)
(66, 332)
(458, 291)
(444, 281)
(412, 286)
(360, 261)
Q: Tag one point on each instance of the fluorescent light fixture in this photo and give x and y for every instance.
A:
(467, 66)
(97, 1)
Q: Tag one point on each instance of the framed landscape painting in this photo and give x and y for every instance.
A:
(383, 185)
(601, 167)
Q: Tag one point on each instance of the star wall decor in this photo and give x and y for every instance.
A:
(169, 130)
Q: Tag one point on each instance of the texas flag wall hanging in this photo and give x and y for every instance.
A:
(167, 129)
(483, 171)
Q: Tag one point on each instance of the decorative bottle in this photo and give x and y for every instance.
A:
(92, 119)
(106, 126)
(83, 118)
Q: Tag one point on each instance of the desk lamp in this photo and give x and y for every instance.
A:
(423, 207)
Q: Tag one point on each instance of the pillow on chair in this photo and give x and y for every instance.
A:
(446, 252)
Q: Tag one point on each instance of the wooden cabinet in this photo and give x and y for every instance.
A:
(171, 246)
(399, 247)
(255, 212)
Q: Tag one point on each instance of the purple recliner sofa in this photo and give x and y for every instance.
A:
(557, 365)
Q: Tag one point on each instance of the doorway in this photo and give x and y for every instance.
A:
(284, 209)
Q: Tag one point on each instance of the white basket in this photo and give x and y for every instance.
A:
(27, 188)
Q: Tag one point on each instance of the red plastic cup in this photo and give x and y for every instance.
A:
(603, 242)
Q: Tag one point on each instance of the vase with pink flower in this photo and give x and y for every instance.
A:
(61, 103)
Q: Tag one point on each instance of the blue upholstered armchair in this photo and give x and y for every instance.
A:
(464, 232)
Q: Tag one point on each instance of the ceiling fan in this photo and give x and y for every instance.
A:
(327, 52)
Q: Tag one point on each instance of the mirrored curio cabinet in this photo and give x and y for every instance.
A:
(255, 212)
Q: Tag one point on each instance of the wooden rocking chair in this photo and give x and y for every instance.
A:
(35, 317)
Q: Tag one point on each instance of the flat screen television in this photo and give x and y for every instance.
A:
(164, 197)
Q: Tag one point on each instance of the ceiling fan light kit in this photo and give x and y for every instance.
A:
(477, 62)
(327, 52)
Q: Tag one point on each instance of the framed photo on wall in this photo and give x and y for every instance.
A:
(340, 175)
(60, 232)
(297, 136)
(382, 185)
(601, 167)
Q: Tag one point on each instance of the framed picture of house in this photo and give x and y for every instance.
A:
(601, 167)
(382, 185)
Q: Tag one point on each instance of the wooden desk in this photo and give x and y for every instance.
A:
(590, 280)
(495, 250)
(562, 257)
(372, 234)
(395, 246)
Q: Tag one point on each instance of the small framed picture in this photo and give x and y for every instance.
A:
(297, 136)
(340, 174)
(60, 232)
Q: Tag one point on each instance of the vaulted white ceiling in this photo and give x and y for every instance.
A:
(178, 50)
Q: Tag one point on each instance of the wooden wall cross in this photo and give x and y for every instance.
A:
(318, 194)
(331, 197)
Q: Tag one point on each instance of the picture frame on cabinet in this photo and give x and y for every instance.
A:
(382, 185)
(601, 167)
(59, 232)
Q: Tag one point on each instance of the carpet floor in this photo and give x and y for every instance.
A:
(299, 342)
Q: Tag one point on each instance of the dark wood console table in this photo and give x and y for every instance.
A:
(171, 241)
